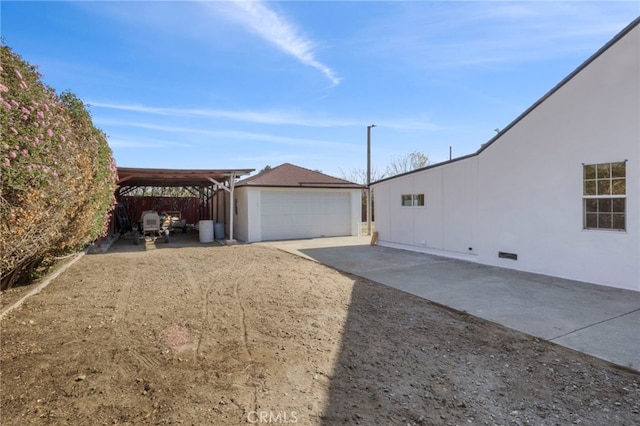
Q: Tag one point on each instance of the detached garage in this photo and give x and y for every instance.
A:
(291, 202)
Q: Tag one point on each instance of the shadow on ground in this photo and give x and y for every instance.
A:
(125, 243)
(407, 361)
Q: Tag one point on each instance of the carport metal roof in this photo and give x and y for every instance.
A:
(131, 177)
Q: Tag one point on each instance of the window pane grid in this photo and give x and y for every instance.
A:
(604, 201)
(412, 200)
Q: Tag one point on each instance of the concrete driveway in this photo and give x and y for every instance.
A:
(597, 320)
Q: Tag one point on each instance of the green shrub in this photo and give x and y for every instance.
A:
(58, 175)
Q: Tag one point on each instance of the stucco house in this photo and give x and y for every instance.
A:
(291, 202)
(556, 192)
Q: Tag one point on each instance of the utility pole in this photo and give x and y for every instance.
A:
(369, 203)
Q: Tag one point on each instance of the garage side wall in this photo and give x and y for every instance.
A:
(240, 220)
(356, 211)
(247, 220)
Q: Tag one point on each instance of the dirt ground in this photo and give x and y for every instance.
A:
(187, 333)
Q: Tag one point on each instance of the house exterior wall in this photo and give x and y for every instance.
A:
(446, 224)
(529, 183)
(248, 226)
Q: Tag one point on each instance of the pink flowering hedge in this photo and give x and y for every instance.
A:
(58, 175)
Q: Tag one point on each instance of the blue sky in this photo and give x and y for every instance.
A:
(226, 84)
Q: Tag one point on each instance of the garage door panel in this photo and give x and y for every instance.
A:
(287, 215)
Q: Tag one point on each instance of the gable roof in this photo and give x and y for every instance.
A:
(290, 176)
(614, 40)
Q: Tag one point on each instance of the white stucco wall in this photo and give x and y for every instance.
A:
(447, 221)
(528, 184)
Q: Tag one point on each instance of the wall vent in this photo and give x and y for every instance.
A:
(505, 255)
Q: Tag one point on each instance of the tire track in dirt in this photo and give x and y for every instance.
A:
(204, 287)
(193, 284)
(120, 315)
(136, 360)
(123, 298)
(200, 293)
(236, 288)
(252, 382)
(143, 360)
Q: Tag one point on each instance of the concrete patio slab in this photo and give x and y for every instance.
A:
(610, 339)
(598, 320)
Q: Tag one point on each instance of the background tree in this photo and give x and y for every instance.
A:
(411, 161)
(360, 176)
(162, 191)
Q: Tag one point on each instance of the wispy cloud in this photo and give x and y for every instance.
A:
(466, 34)
(259, 117)
(273, 158)
(224, 135)
(271, 117)
(129, 142)
(209, 22)
(277, 30)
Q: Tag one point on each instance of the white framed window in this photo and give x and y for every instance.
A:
(412, 200)
(604, 197)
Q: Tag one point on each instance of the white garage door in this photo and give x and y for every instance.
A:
(300, 214)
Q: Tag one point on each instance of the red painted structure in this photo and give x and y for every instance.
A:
(189, 207)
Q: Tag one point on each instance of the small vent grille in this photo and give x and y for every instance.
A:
(505, 255)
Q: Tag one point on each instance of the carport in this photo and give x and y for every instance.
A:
(210, 187)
